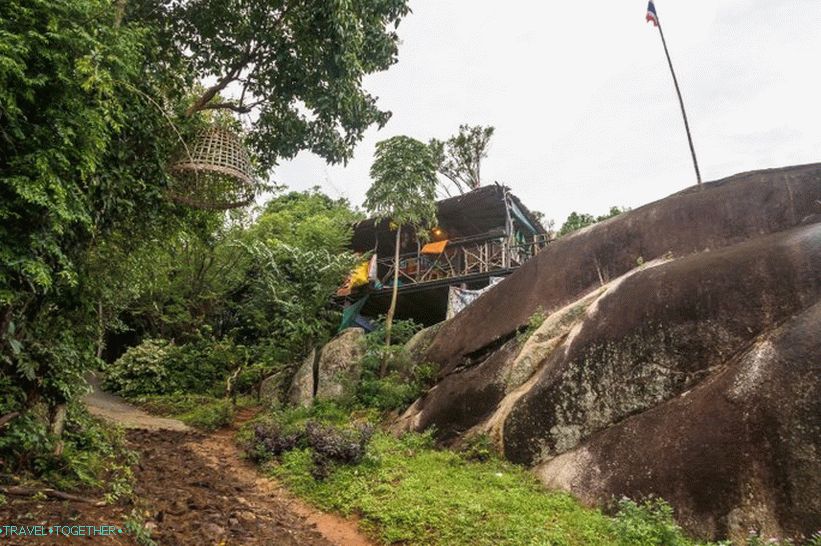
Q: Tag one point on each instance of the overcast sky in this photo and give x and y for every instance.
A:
(582, 100)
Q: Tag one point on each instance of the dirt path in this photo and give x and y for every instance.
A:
(197, 489)
(202, 491)
(194, 494)
(114, 408)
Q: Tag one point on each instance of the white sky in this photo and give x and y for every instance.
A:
(584, 107)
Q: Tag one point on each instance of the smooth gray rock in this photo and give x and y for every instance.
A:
(339, 364)
(301, 392)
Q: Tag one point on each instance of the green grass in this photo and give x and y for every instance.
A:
(199, 411)
(408, 492)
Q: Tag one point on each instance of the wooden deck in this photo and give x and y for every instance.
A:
(463, 260)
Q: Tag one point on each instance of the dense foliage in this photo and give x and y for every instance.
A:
(80, 185)
(403, 380)
(95, 98)
(161, 367)
(404, 192)
(298, 65)
(242, 302)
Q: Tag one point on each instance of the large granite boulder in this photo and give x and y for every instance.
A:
(738, 451)
(694, 220)
(418, 345)
(691, 373)
(339, 364)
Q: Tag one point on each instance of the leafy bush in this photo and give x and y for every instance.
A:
(318, 431)
(161, 367)
(405, 381)
(272, 439)
(218, 414)
(141, 370)
(333, 445)
(478, 448)
(172, 404)
(25, 442)
(321, 411)
(648, 523)
(533, 323)
(93, 454)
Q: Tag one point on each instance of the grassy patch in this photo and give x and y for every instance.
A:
(533, 323)
(407, 491)
(199, 411)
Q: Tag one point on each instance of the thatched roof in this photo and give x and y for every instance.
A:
(475, 213)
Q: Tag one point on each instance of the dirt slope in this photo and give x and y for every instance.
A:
(191, 489)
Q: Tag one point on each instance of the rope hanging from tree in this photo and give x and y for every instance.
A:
(215, 173)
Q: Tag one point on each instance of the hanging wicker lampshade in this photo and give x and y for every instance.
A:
(213, 173)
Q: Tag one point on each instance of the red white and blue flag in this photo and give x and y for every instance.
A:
(652, 16)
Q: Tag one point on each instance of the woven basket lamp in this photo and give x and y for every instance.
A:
(214, 173)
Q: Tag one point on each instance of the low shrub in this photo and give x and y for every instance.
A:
(197, 410)
(405, 381)
(93, 455)
(172, 404)
(648, 523)
(272, 439)
(332, 445)
(315, 430)
(478, 448)
(218, 414)
(160, 367)
(141, 370)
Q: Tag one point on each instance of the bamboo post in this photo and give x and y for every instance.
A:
(680, 101)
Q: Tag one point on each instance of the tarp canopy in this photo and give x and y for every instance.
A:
(459, 298)
(434, 248)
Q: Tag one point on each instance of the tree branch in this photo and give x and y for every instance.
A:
(53, 493)
(211, 92)
(7, 418)
(238, 108)
(233, 75)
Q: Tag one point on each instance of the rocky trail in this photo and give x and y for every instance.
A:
(191, 488)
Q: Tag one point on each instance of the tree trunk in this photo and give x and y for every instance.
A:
(58, 421)
(119, 12)
(392, 308)
(100, 330)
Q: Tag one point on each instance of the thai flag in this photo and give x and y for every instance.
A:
(652, 16)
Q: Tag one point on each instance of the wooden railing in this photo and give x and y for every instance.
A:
(461, 258)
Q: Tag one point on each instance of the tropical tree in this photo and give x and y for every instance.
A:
(459, 159)
(95, 97)
(297, 65)
(404, 192)
(576, 220)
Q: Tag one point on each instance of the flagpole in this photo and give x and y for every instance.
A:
(680, 101)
